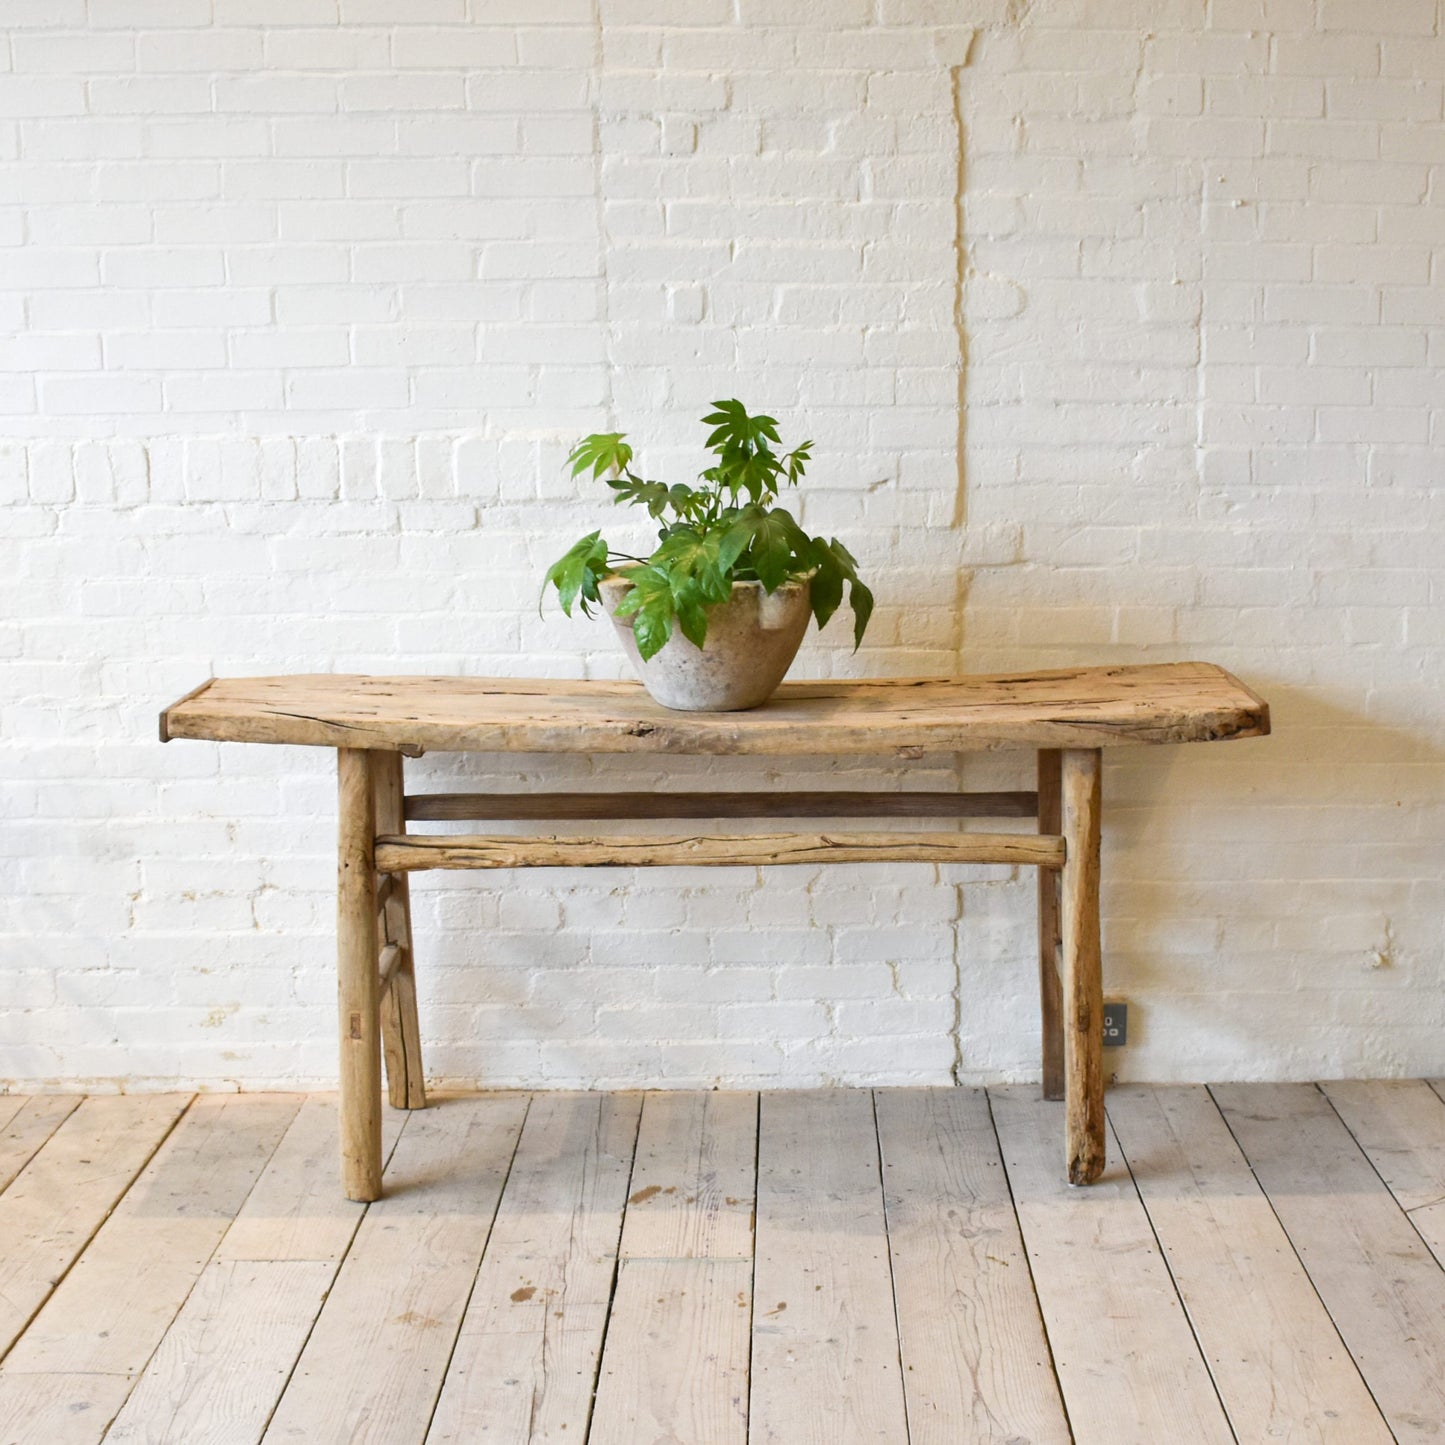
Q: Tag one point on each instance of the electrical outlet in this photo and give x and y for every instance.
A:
(1116, 1025)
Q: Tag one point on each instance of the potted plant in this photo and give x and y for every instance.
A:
(713, 618)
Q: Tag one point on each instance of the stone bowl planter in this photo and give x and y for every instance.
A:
(752, 639)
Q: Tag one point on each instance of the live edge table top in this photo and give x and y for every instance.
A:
(1090, 707)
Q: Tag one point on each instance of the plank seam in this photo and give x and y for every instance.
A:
(1384, 1182)
(100, 1224)
(1169, 1270)
(1324, 1303)
(136, 1378)
(326, 1293)
(753, 1275)
(1428, 1204)
(892, 1281)
(445, 1370)
(77, 1100)
(1029, 1265)
(616, 1276)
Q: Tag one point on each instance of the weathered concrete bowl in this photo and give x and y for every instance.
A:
(752, 639)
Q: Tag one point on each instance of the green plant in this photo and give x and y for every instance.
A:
(725, 530)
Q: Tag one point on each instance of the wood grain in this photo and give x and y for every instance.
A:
(1081, 974)
(1127, 1361)
(358, 990)
(1276, 1358)
(400, 1030)
(825, 803)
(694, 1180)
(112, 1309)
(25, 1125)
(225, 1361)
(404, 854)
(1382, 1286)
(56, 1203)
(58, 1409)
(1051, 990)
(527, 1354)
(975, 1361)
(1076, 707)
(825, 1345)
(295, 1212)
(676, 1366)
(373, 1365)
(1400, 1124)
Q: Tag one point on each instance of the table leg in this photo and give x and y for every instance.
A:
(1083, 987)
(358, 977)
(400, 1033)
(1051, 1002)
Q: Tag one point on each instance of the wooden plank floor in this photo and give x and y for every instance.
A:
(898, 1267)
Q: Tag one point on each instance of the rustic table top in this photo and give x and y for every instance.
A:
(1177, 702)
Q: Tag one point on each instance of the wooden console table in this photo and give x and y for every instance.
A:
(373, 722)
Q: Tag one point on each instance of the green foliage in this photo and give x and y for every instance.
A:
(577, 571)
(725, 530)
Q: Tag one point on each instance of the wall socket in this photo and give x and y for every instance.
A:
(1116, 1025)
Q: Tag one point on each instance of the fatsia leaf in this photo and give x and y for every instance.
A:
(693, 556)
(756, 474)
(631, 489)
(577, 572)
(827, 589)
(836, 564)
(795, 461)
(602, 452)
(732, 543)
(779, 547)
(686, 548)
(652, 624)
(733, 426)
(686, 501)
(649, 603)
(691, 614)
(860, 598)
(646, 582)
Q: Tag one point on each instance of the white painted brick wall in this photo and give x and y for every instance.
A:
(302, 303)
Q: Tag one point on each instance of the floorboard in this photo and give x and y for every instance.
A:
(223, 1365)
(25, 1125)
(296, 1212)
(58, 1409)
(825, 1367)
(1127, 1361)
(116, 1304)
(373, 1367)
(694, 1181)
(1382, 1286)
(527, 1354)
(975, 1361)
(63, 1195)
(830, 1267)
(1400, 1125)
(225, 1361)
(1277, 1360)
(676, 1366)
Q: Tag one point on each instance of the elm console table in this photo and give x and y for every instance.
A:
(1067, 717)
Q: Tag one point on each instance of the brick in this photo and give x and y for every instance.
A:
(204, 50)
(328, 49)
(61, 54)
(304, 331)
